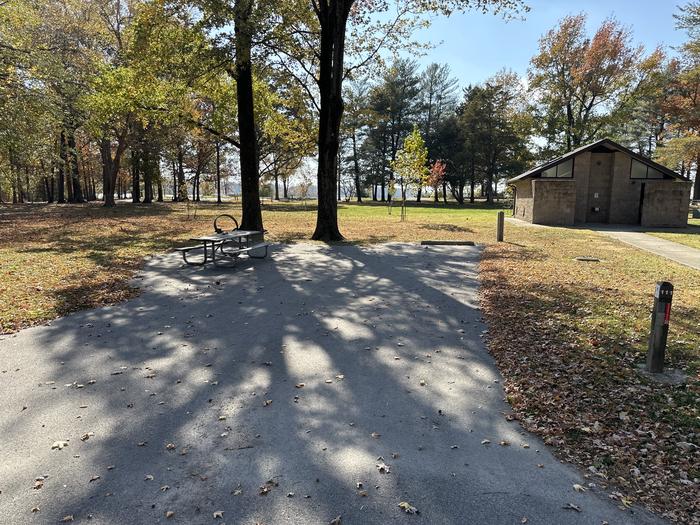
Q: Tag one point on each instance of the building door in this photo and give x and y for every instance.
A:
(599, 185)
(641, 203)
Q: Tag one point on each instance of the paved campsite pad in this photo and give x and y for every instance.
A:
(190, 399)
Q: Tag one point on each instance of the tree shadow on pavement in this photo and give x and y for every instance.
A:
(272, 391)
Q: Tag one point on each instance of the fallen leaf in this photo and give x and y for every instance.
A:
(94, 478)
(59, 445)
(169, 514)
(219, 514)
(375, 435)
(171, 446)
(408, 508)
(485, 441)
(148, 477)
(267, 402)
(86, 436)
(383, 468)
(579, 488)
(335, 521)
(300, 385)
(571, 506)
(67, 519)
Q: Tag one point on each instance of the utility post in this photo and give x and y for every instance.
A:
(500, 225)
(660, 317)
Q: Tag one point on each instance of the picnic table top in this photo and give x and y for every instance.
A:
(237, 234)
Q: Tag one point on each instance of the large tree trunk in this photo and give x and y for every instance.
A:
(277, 187)
(108, 182)
(696, 185)
(110, 167)
(332, 15)
(250, 178)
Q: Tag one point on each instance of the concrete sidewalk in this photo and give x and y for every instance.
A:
(674, 251)
(321, 382)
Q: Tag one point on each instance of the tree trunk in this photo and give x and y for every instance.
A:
(135, 175)
(147, 163)
(72, 155)
(472, 182)
(285, 188)
(696, 184)
(174, 181)
(444, 192)
(251, 214)
(110, 167)
(218, 172)
(332, 16)
(277, 187)
(356, 167)
(159, 179)
(62, 168)
(419, 194)
(181, 184)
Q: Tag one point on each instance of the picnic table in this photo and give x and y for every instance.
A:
(226, 246)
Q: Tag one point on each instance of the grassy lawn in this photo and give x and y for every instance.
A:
(57, 259)
(567, 335)
(689, 236)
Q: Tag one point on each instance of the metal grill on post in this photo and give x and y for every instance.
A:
(660, 317)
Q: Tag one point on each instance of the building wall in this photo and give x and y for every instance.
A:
(666, 203)
(599, 182)
(569, 201)
(523, 200)
(582, 169)
(625, 192)
(554, 201)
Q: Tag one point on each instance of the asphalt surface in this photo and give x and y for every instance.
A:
(267, 393)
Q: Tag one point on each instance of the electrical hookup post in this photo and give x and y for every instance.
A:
(660, 318)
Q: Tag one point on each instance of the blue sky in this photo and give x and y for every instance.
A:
(477, 46)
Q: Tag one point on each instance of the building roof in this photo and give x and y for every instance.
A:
(603, 143)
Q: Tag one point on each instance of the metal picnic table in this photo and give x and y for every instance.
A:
(226, 246)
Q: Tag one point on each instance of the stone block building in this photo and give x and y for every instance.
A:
(602, 182)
